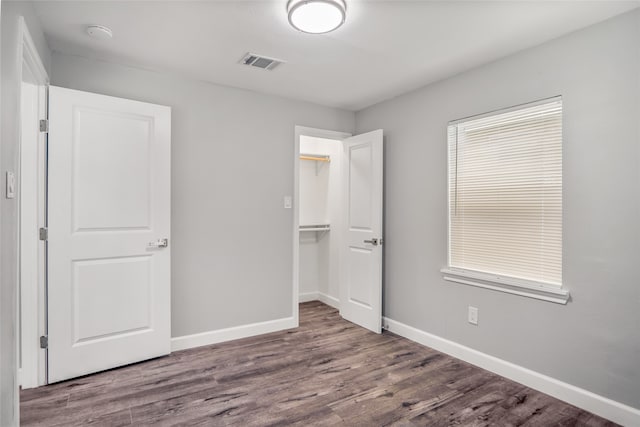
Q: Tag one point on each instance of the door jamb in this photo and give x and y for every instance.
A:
(32, 295)
(317, 133)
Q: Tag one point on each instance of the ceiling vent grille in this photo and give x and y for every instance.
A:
(259, 61)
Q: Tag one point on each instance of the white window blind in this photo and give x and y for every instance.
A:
(505, 193)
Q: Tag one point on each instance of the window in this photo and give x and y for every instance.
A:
(505, 200)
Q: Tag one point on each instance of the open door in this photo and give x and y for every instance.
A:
(109, 222)
(361, 258)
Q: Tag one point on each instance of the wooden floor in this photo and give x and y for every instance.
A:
(327, 372)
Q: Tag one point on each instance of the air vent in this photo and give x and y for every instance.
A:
(258, 61)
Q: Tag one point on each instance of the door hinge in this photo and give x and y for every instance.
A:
(44, 125)
(44, 341)
(44, 233)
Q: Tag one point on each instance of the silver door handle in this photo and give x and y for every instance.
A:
(160, 243)
(373, 241)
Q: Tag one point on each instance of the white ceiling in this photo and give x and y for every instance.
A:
(385, 48)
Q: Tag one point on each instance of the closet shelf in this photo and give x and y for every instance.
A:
(314, 227)
(317, 158)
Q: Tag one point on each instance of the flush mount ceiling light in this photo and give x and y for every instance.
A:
(99, 32)
(316, 16)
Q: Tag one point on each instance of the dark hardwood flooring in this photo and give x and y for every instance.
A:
(327, 372)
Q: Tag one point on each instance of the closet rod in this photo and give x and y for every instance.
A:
(319, 159)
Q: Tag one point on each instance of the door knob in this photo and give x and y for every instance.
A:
(160, 243)
(373, 241)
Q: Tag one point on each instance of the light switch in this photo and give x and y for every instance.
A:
(473, 315)
(287, 202)
(11, 185)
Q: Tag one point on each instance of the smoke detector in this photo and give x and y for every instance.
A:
(260, 61)
(99, 32)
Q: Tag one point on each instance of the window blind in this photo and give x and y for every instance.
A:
(505, 193)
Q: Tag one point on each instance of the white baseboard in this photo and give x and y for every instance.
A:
(308, 296)
(599, 405)
(320, 296)
(229, 334)
(329, 300)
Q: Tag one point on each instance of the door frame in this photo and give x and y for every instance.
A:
(317, 133)
(32, 296)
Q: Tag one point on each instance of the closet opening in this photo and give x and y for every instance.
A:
(319, 210)
(318, 213)
(337, 236)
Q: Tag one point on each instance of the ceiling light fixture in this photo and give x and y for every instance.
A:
(316, 16)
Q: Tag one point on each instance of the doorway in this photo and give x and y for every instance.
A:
(94, 230)
(319, 209)
(338, 223)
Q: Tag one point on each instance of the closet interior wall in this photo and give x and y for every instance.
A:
(319, 204)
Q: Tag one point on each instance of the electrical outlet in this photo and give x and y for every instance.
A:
(288, 202)
(473, 315)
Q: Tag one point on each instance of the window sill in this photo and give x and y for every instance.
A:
(528, 289)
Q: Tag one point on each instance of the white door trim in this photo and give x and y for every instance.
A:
(317, 133)
(32, 293)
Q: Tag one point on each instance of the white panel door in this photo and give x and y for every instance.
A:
(361, 258)
(109, 282)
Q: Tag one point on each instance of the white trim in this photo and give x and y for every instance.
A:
(308, 296)
(32, 302)
(329, 300)
(320, 296)
(599, 405)
(529, 289)
(550, 100)
(29, 53)
(233, 333)
(298, 132)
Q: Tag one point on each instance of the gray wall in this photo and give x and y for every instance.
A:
(9, 134)
(594, 341)
(232, 164)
